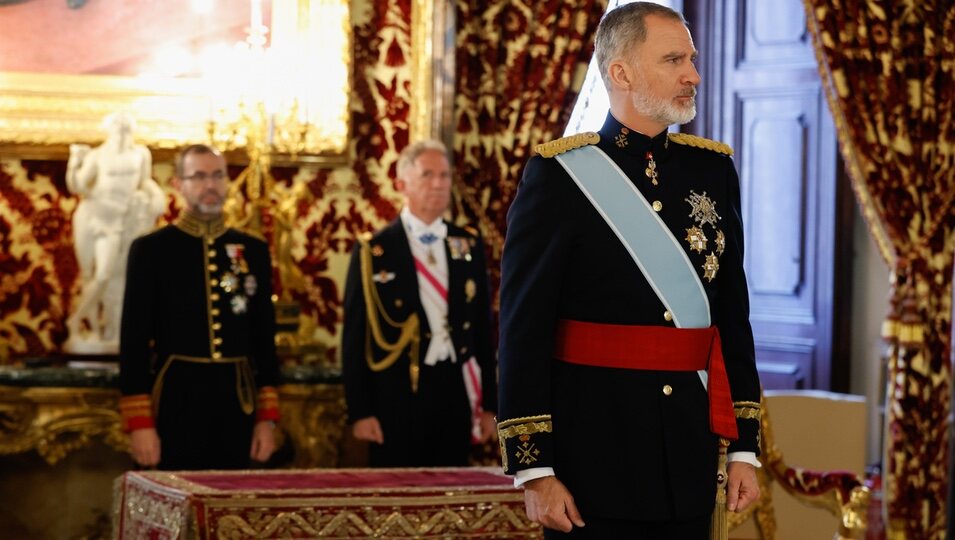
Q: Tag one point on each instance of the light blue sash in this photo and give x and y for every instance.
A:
(653, 247)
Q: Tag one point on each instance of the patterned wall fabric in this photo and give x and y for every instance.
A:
(38, 270)
(889, 67)
(519, 67)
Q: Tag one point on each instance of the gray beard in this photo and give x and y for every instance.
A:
(662, 111)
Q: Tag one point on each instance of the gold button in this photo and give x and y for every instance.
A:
(212, 253)
(657, 206)
(216, 326)
(667, 315)
(214, 282)
(213, 267)
(214, 296)
(217, 355)
(210, 240)
(466, 325)
(215, 312)
(398, 302)
(217, 341)
(464, 350)
(667, 389)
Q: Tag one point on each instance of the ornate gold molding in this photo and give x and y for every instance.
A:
(56, 421)
(313, 417)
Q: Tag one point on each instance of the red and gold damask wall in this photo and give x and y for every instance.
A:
(38, 269)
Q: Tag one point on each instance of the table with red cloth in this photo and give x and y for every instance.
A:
(464, 502)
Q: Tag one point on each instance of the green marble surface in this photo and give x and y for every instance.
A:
(106, 375)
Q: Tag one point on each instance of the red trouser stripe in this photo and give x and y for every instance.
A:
(654, 348)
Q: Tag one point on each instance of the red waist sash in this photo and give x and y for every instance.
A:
(655, 348)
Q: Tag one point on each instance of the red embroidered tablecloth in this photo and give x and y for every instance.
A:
(333, 503)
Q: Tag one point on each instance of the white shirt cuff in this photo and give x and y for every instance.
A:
(526, 475)
(745, 457)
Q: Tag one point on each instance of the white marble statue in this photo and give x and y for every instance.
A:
(119, 201)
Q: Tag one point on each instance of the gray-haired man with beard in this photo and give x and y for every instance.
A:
(627, 372)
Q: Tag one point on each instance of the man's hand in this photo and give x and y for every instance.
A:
(144, 444)
(263, 441)
(742, 488)
(548, 502)
(488, 427)
(368, 429)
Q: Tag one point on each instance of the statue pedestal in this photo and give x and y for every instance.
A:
(79, 346)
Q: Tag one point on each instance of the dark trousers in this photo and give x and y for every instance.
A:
(623, 529)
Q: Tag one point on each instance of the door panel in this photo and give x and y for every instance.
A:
(763, 96)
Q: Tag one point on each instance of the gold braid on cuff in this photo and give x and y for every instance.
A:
(524, 426)
(747, 410)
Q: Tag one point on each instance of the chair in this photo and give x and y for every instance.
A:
(825, 431)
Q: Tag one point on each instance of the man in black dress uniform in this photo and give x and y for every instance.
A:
(614, 417)
(420, 377)
(198, 369)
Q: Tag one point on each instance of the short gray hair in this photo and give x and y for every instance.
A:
(623, 28)
(411, 152)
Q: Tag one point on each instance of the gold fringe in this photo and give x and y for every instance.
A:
(719, 525)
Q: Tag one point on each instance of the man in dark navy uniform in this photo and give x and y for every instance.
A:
(614, 418)
(420, 377)
(198, 369)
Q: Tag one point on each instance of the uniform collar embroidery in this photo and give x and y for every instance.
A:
(192, 225)
(633, 142)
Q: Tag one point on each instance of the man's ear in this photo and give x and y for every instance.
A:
(620, 74)
(400, 185)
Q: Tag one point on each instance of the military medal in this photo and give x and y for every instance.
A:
(239, 303)
(710, 267)
(428, 239)
(703, 209)
(250, 285)
(236, 255)
(377, 250)
(470, 290)
(696, 238)
(720, 242)
(651, 171)
(229, 282)
(459, 247)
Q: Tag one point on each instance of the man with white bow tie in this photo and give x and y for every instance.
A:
(420, 375)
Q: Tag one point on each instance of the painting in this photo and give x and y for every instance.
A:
(65, 64)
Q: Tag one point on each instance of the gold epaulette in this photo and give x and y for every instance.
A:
(700, 142)
(565, 144)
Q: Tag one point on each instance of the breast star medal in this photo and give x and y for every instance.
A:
(696, 238)
(720, 242)
(702, 209)
(710, 267)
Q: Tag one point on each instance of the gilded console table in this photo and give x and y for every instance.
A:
(55, 410)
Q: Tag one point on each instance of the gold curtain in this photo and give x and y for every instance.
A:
(889, 71)
(519, 67)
